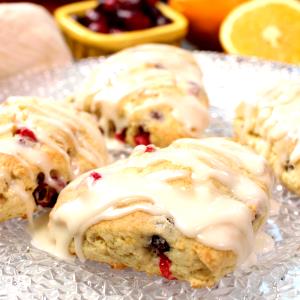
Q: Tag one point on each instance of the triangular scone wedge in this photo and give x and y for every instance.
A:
(138, 94)
(43, 146)
(271, 126)
(189, 211)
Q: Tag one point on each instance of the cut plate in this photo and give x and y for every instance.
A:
(28, 273)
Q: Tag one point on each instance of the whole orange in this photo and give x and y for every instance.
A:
(205, 17)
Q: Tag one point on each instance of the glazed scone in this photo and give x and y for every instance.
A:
(147, 94)
(43, 146)
(189, 211)
(271, 126)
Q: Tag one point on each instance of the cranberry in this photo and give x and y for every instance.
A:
(162, 20)
(40, 178)
(109, 5)
(149, 148)
(99, 26)
(130, 4)
(164, 266)
(121, 136)
(115, 30)
(92, 15)
(26, 133)
(159, 244)
(96, 176)
(45, 195)
(151, 2)
(133, 20)
(142, 137)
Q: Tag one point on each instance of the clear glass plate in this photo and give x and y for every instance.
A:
(27, 273)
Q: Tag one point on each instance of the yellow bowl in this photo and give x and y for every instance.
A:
(84, 42)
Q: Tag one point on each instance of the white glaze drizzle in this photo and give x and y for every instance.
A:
(278, 119)
(216, 218)
(147, 68)
(31, 113)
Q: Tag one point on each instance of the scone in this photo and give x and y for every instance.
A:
(147, 94)
(43, 146)
(271, 126)
(189, 211)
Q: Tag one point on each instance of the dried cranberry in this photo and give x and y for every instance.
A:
(133, 20)
(159, 244)
(26, 133)
(156, 115)
(96, 176)
(121, 136)
(142, 137)
(149, 148)
(45, 195)
(40, 178)
(165, 266)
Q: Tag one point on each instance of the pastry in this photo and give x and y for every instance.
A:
(147, 94)
(43, 146)
(271, 126)
(189, 211)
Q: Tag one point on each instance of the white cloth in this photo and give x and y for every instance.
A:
(29, 39)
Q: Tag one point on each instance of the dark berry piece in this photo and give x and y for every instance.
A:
(288, 166)
(45, 195)
(96, 176)
(151, 2)
(156, 115)
(142, 137)
(159, 244)
(26, 133)
(40, 178)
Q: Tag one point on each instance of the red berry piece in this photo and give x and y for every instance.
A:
(133, 20)
(151, 2)
(109, 5)
(165, 266)
(26, 133)
(121, 136)
(130, 4)
(96, 176)
(142, 137)
(150, 148)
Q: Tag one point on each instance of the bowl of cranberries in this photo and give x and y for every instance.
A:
(100, 27)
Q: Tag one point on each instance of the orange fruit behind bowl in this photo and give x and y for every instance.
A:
(205, 17)
(264, 28)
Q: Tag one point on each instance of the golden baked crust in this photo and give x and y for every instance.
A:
(271, 127)
(42, 148)
(140, 93)
(128, 235)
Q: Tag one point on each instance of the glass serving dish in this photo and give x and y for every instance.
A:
(28, 273)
